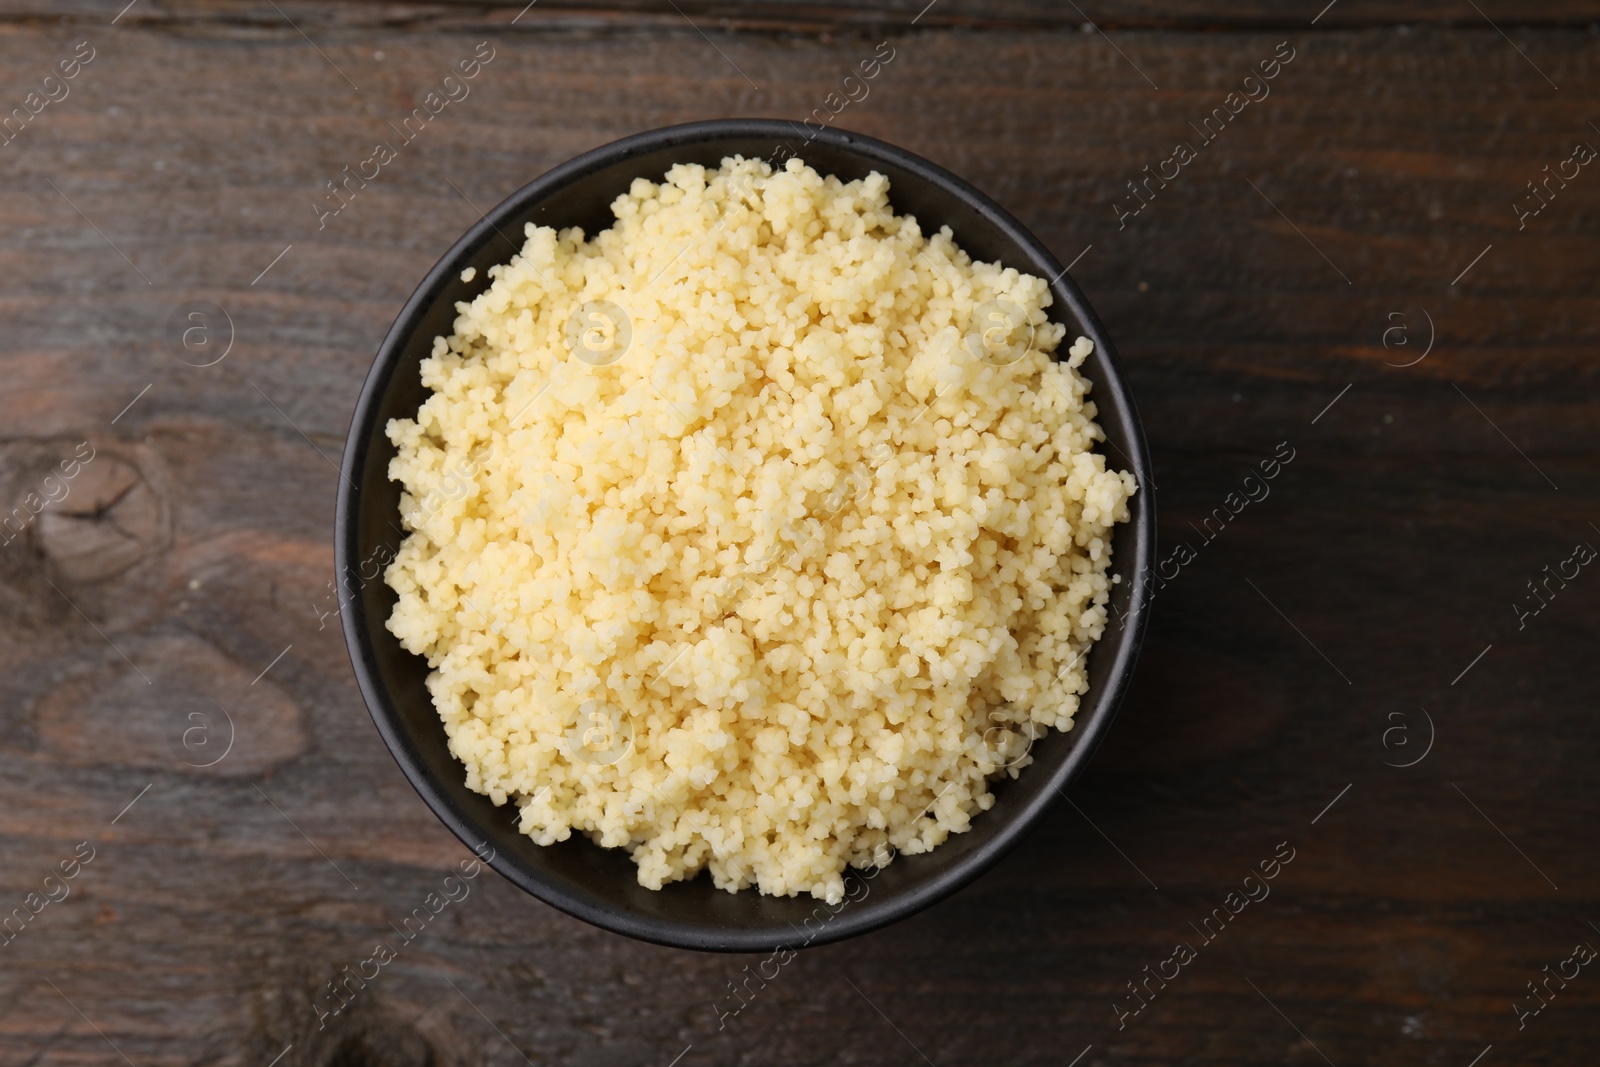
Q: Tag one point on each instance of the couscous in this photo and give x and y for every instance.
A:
(754, 534)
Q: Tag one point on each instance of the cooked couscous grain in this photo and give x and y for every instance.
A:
(755, 534)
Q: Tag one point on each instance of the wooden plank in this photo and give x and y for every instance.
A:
(807, 16)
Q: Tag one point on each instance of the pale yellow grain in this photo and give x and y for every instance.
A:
(833, 569)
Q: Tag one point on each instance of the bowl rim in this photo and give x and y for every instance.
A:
(1111, 389)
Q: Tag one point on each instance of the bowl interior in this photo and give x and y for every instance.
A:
(599, 885)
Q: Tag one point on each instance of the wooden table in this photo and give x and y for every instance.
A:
(1350, 671)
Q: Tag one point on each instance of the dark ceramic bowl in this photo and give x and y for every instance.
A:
(577, 876)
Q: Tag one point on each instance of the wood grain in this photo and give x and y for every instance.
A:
(187, 569)
(811, 17)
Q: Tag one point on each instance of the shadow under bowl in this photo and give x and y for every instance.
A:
(600, 885)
